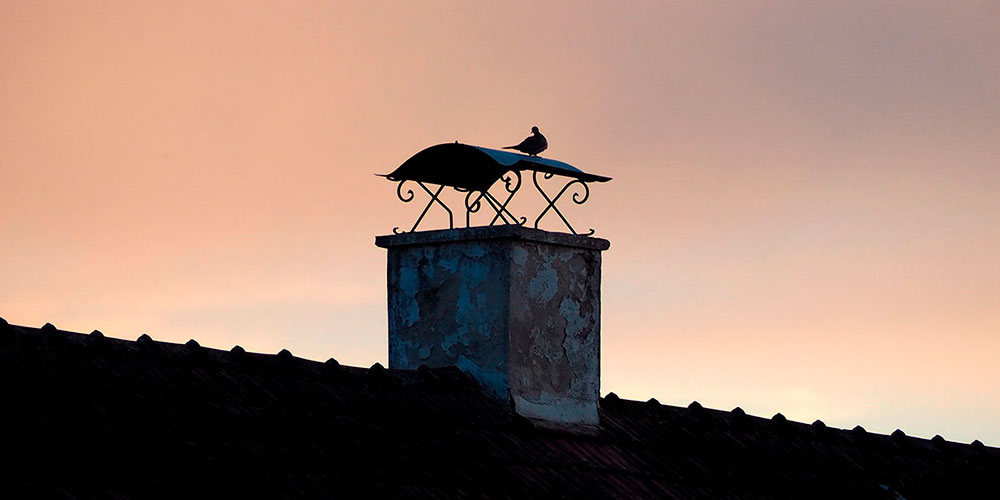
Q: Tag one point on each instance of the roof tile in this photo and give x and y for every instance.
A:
(163, 422)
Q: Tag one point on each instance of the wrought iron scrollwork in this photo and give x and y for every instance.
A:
(471, 206)
(511, 184)
(474, 199)
(488, 180)
(578, 197)
(435, 198)
(399, 192)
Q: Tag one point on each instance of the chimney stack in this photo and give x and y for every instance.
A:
(517, 309)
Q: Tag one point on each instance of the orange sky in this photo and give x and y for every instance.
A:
(805, 215)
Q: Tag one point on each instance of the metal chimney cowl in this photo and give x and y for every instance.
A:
(517, 309)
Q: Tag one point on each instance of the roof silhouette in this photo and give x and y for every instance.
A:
(87, 416)
(477, 168)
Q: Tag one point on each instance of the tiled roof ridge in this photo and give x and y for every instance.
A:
(182, 420)
(737, 417)
(451, 378)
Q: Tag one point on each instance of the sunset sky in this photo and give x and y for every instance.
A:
(804, 216)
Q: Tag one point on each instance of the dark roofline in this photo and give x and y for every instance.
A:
(192, 352)
(816, 431)
(453, 379)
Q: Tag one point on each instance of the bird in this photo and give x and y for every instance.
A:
(534, 144)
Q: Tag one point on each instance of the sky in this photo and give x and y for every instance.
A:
(804, 216)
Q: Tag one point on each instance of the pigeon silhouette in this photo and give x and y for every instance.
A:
(534, 144)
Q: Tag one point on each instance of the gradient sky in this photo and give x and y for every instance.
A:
(805, 215)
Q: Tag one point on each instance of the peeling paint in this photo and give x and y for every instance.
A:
(570, 311)
(517, 309)
(519, 256)
(544, 285)
(408, 283)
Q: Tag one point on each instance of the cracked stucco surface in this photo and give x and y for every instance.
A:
(448, 306)
(522, 317)
(555, 332)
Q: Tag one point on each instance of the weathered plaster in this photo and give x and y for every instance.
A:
(555, 337)
(517, 309)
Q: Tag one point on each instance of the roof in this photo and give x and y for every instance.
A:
(477, 168)
(87, 416)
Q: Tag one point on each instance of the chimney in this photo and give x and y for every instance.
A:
(516, 308)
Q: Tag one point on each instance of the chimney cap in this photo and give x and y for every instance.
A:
(476, 168)
(473, 170)
(505, 232)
